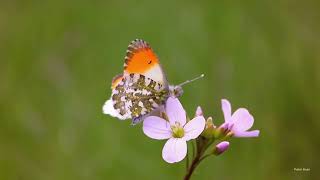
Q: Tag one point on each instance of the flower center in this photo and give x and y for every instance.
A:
(177, 130)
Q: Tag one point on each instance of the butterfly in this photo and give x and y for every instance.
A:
(142, 88)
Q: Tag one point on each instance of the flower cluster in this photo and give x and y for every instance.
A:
(175, 126)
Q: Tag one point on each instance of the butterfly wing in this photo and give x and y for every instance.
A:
(142, 88)
(136, 96)
(141, 59)
(108, 106)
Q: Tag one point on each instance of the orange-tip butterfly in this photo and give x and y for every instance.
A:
(142, 88)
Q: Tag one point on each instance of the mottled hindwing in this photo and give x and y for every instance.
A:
(137, 95)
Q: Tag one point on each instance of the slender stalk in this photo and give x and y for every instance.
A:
(187, 161)
(193, 150)
(193, 166)
(201, 148)
(203, 157)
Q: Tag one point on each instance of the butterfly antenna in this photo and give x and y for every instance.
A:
(189, 81)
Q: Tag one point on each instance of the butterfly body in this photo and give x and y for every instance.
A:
(142, 88)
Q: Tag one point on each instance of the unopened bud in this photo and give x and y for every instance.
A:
(220, 148)
(199, 111)
(209, 129)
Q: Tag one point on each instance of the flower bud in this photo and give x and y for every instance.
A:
(199, 112)
(209, 129)
(220, 148)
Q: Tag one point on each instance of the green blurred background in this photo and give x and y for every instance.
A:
(58, 59)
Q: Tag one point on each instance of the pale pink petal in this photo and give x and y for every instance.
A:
(175, 111)
(242, 120)
(226, 108)
(254, 133)
(174, 150)
(194, 128)
(224, 126)
(156, 128)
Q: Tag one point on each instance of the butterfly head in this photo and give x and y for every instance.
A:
(175, 91)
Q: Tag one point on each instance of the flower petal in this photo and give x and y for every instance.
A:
(156, 128)
(226, 108)
(242, 120)
(175, 111)
(174, 150)
(254, 133)
(194, 128)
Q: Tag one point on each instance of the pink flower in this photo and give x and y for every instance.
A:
(177, 130)
(238, 122)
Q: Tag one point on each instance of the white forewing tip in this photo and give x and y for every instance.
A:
(108, 107)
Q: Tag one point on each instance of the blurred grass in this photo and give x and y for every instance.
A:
(58, 58)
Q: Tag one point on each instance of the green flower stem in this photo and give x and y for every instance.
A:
(193, 150)
(202, 145)
(193, 166)
(187, 161)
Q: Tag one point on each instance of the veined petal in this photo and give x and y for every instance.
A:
(226, 108)
(156, 128)
(254, 133)
(175, 111)
(242, 120)
(174, 150)
(194, 128)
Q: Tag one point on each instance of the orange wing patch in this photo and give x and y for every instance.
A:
(116, 80)
(140, 57)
